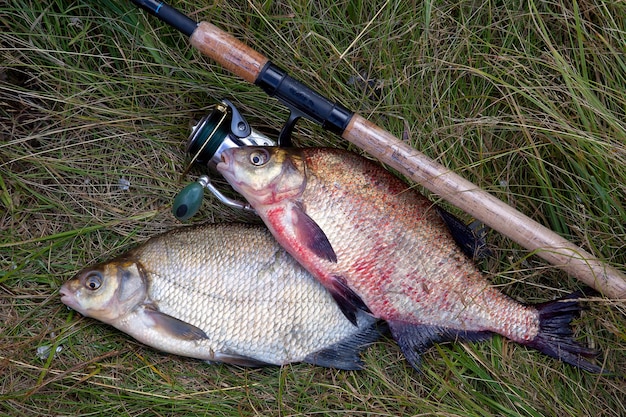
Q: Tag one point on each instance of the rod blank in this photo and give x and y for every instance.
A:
(168, 14)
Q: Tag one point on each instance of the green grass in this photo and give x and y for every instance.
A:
(526, 99)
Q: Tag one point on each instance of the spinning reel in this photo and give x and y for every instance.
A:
(221, 129)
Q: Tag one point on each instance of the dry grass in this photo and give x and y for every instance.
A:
(526, 99)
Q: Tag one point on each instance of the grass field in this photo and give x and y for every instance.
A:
(525, 98)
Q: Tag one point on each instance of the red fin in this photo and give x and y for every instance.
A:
(347, 300)
(311, 235)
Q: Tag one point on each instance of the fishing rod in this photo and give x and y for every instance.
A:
(302, 101)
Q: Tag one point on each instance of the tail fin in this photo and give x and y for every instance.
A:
(555, 336)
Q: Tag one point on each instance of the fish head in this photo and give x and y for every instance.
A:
(264, 175)
(107, 291)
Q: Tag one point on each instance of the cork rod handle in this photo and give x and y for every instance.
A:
(229, 52)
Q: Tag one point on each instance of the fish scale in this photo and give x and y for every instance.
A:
(408, 224)
(221, 292)
(229, 299)
(379, 246)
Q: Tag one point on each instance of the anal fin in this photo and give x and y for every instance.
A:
(346, 354)
(415, 339)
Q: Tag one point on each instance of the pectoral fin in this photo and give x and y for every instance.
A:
(172, 326)
(311, 235)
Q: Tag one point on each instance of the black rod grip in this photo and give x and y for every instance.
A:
(305, 101)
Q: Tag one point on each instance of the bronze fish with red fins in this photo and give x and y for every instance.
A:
(379, 246)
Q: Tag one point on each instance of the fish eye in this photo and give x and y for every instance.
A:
(259, 157)
(93, 282)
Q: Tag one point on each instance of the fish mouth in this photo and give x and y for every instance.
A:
(62, 293)
(66, 297)
(224, 165)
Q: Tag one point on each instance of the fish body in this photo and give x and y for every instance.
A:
(381, 247)
(221, 293)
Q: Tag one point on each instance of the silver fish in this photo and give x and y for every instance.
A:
(221, 293)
